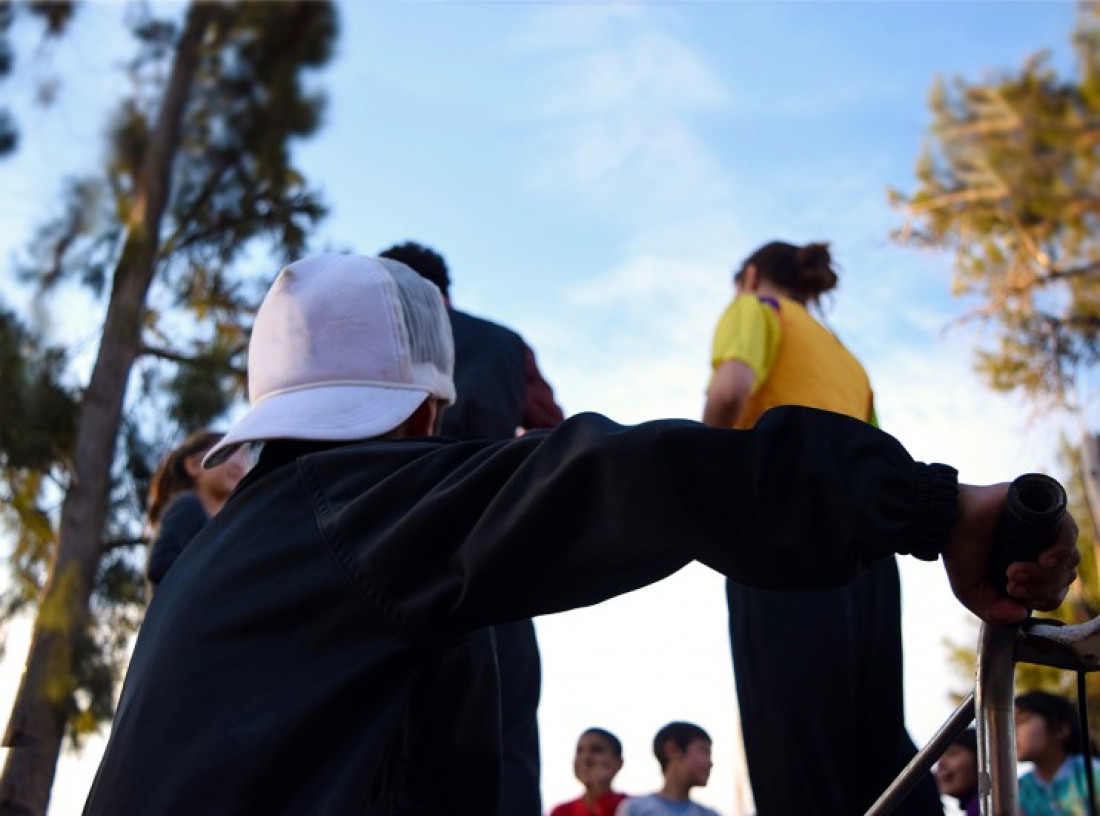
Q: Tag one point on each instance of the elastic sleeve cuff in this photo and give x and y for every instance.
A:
(935, 501)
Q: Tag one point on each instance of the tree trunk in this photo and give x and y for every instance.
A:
(38, 717)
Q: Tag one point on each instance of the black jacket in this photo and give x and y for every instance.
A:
(318, 648)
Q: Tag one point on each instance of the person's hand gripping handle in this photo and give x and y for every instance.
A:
(1013, 548)
(1033, 511)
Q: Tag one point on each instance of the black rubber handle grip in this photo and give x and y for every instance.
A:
(1029, 524)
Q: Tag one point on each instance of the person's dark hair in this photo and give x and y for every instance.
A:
(1057, 711)
(968, 739)
(682, 734)
(806, 272)
(612, 740)
(171, 477)
(427, 262)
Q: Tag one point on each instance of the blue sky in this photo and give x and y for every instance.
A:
(593, 172)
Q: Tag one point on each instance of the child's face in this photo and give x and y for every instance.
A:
(595, 763)
(957, 771)
(695, 762)
(1035, 740)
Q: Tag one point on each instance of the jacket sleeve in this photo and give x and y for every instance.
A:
(482, 533)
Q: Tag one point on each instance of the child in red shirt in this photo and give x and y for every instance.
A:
(599, 757)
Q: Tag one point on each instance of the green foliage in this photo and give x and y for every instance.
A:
(1009, 183)
(37, 429)
(37, 413)
(236, 199)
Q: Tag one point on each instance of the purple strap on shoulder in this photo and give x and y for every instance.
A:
(770, 301)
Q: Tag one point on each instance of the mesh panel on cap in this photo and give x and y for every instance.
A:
(431, 347)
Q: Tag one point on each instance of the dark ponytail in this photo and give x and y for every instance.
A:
(805, 272)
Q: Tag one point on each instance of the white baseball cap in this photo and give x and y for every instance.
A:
(343, 347)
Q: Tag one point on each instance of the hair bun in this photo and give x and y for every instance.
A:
(816, 265)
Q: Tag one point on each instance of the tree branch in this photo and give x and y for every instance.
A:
(120, 543)
(1074, 272)
(184, 359)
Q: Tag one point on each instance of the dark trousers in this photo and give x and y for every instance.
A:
(819, 685)
(520, 685)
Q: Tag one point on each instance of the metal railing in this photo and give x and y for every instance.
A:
(1000, 648)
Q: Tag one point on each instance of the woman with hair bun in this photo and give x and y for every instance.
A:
(818, 674)
(183, 496)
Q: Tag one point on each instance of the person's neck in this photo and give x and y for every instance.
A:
(1048, 766)
(212, 504)
(675, 791)
(765, 288)
(967, 797)
(594, 792)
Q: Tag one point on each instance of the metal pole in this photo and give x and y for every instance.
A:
(994, 692)
(922, 763)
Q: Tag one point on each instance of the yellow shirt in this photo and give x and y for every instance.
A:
(797, 361)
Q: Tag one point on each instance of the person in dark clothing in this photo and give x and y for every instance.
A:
(499, 385)
(326, 647)
(500, 391)
(819, 706)
(183, 496)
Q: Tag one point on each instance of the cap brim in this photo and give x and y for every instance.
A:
(334, 412)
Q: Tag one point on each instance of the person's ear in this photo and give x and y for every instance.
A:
(672, 751)
(422, 421)
(192, 464)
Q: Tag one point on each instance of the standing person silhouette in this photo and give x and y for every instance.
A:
(818, 674)
(501, 392)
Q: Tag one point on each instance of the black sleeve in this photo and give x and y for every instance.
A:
(183, 518)
(480, 533)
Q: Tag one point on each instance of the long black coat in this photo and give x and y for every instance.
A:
(319, 647)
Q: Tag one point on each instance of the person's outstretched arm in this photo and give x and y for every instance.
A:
(477, 533)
